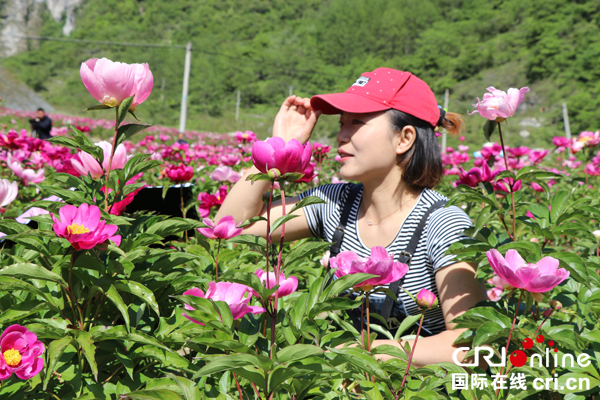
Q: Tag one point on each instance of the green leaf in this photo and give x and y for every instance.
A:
(139, 290)
(307, 201)
(171, 226)
(362, 361)
(575, 380)
(282, 220)
(488, 129)
(55, 350)
(303, 252)
(169, 359)
(333, 304)
(89, 350)
(250, 240)
(98, 107)
(475, 317)
(160, 394)
(226, 363)
(113, 295)
(32, 271)
(189, 389)
(125, 132)
(297, 352)
(122, 110)
(119, 333)
(344, 283)
(406, 323)
(574, 264)
(560, 204)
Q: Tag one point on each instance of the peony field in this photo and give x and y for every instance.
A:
(117, 281)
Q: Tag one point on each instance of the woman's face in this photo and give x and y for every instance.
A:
(367, 146)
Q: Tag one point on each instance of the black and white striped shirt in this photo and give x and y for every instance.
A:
(444, 227)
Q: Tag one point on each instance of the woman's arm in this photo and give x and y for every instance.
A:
(459, 290)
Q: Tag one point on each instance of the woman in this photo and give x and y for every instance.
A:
(387, 143)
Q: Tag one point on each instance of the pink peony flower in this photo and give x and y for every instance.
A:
(380, 264)
(21, 353)
(286, 286)
(180, 173)
(231, 293)
(276, 153)
(505, 185)
(426, 299)
(28, 175)
(8, 192)
(35, 211)
(516, 272)
(320, 149)
(83, 228)
(230, 160)
(498, 105)
(309, 173)
(591, 169)
(111, 82)
(519, 151)
(87, 163)
(225, 174)
(224, 229)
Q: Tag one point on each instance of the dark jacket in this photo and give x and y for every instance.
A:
(42, 127)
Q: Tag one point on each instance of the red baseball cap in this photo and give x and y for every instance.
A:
(381, 90)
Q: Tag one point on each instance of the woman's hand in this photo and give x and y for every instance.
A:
(295, 119)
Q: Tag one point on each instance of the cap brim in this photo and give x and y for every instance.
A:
(335, 103)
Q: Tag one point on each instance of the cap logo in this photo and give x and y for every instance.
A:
(362, 81)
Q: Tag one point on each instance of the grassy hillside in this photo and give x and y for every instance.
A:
(262, 47)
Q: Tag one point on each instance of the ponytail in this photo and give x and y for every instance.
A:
(452, 123)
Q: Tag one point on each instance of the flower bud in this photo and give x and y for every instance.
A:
(556, 305)
(426, 299)
(596, 234)
(110, 101)
(547, 312)
(274, 173)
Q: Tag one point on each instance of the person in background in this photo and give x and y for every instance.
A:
(180, 139)
(41, 125)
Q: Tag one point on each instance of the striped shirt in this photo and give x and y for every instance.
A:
(444, 226)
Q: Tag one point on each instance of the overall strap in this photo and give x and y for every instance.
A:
(338, 235)
(406, 257)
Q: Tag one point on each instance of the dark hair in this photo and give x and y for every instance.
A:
(422, 164)
(41, 109)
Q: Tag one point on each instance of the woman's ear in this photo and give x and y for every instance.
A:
(408, 135)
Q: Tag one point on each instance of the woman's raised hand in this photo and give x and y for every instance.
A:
(295, 119)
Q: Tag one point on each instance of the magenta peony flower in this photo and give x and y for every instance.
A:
(245, 137)
(35, 211)
(276, 153)
(380, 263)
(320, 149)
(498, 105)
(504, 184)
(8, 192)
(111, 82)
(208, 201)
(180, 173)
(518, 151)
(286, 286)
(231, 293)
(475, 175)
(309, 173)
(536, 156)
(230, 160)
(561, 141)
(426, 299)
(516, 272)
(224, 229)
(21, 353)
(83, 228)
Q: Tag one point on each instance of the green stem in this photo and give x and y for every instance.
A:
(217, 259)
(112, 153)
(512, 193)
(412, 351)
(511, 331)
(539, 327)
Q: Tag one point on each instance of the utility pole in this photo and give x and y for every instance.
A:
(444, 133)
(290, 90)
(237, 106)
(566, 120)
(186, 86)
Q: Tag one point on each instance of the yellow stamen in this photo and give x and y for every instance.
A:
(12, 358)
(75, 229)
